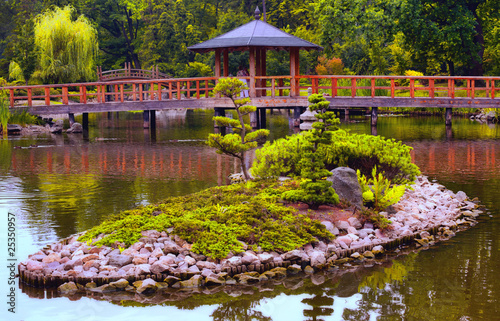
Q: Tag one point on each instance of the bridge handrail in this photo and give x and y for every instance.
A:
(132, 73)
(351, 86)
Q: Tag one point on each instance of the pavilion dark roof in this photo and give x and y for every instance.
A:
(256, 33)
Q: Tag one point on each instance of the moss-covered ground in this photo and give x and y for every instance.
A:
(215, 221)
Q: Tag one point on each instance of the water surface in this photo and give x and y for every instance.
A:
(58, 185)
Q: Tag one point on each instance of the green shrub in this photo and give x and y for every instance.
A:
(378, 192)
(217, 219)
(315, 190)
(357, 151)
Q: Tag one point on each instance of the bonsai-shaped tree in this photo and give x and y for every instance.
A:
(315, 190)
(243, 137)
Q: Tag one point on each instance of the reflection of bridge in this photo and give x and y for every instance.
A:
(266, 92)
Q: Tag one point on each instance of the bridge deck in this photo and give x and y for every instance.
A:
(266, 92)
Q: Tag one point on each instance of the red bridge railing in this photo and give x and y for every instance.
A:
(472, 88)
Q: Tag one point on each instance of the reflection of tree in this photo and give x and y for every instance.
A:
(318, 304)
(240, 310)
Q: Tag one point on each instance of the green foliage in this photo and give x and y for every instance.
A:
(24, 118)
(217, 219)
(357, 151)
(4, 112)
(68, 48)
(315, 190)
(244, 138)
(378, 192)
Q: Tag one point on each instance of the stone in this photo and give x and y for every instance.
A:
(215, 279)
(206, 265)
(345, 183)
(194, 282)
(461, 196)
(295, 255)
(249, 258)
(265, 258)
(52, 257)
(159, 267)
(279, 272)
(119, 260)
(34, 265)
(158, 252)
(146, 286)
(355, 222)
(91, 285)
(345, 239)
(75, 128)
(293, 269)
(154, 234)
(120, 284)
(142, 269)
(234, 261)
(58, 127)
(318, 259)
(105, 288)
(194, 269)
(247, 279)
(140, 259)
(171, 280)
(379, 249)
(308, 270)
(68, 288)
(342, 225)
(356, 255)
(189, 260)
(368, 254)
(171, 247)
(330, 227)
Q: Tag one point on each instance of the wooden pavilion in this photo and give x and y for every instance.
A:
(257, 37)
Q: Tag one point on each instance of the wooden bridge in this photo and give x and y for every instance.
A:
(342, 91)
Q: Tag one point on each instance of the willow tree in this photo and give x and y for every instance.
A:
(67, 47)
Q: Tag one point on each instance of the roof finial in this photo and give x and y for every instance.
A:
(257, 13)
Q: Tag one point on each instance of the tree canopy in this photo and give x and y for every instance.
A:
(448, 37)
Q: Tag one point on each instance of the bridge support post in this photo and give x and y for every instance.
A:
(145, 117)
(71, 119)
(374, 116)
(254, 119)
(85, 125)
(152, 120)
(296, 116)
(346, 114)
(262, 118)
(447, 116)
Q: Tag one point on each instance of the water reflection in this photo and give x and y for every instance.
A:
(68, 184)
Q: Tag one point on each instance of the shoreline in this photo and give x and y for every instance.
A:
(428, 214)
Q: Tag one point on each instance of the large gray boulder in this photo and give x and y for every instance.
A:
(345, 182)
(75, 128)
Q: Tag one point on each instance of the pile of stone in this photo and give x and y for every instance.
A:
(424, 215)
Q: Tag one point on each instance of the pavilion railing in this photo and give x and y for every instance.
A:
(270, 86)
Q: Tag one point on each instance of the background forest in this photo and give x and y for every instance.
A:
(445, 37)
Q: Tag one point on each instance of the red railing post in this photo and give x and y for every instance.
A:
(121, 93)
(188, 89)
(140, 92)
(353, 87)
(473, 85)
(492, 89)
(412, 88)
(373, 87)
(431, 88)
(30, 98)
(334, 87)
(11, 96)
(65, 95)
(393, 88)
(206, 88)
(197, 89)
(47, 96)
(178, 90)
(159, 89)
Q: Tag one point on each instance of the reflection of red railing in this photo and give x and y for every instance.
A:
(403, 88)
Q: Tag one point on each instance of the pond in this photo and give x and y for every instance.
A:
(58, 185)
